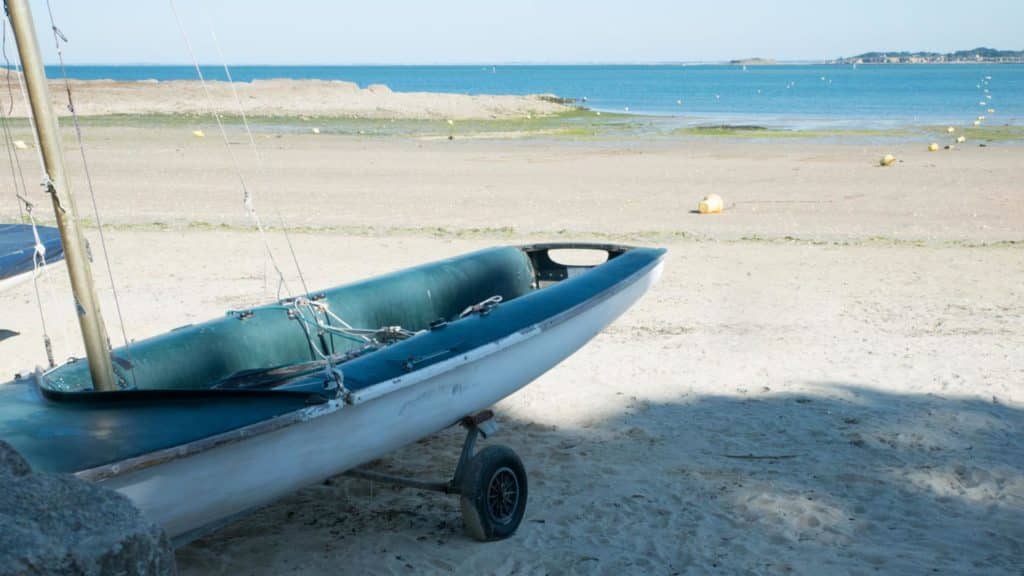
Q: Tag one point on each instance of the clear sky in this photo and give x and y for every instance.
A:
(536, 31)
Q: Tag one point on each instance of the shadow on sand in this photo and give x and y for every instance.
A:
(846, 480)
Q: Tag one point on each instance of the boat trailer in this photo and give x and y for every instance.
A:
(491, 483)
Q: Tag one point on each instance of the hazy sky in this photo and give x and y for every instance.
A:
(498, 31)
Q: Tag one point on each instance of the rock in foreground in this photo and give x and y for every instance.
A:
(59, 524)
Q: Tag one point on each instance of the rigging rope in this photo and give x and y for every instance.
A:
(39, 263)
(377, 336)
(58, 38)
(247, 199)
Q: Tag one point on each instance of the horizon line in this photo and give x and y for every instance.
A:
(734, 62)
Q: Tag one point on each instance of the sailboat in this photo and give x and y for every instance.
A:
(209, 421)
(24, 249)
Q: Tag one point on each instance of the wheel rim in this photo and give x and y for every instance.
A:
(503, 495)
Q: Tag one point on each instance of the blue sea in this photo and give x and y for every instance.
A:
(777, 95)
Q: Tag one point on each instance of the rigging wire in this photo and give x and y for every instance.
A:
(347, 331)
(39, 264)
(231, 83)
(298, 307)
(247, 199)
(241, 110)
(44, 180)
(295, 258)
(331, 373)
(58, 38)
(15, 163)
(39, 249)
(248, 131)
(11, 156)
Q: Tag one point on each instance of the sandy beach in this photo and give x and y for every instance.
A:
(283, 97)
(828, 379)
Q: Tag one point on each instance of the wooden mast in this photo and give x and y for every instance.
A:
(94, 332)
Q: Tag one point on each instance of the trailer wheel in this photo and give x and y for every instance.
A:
(493, 494)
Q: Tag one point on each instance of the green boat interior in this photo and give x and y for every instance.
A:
(261, 365)
(269, 346)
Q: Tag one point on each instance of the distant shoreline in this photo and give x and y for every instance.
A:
(956, 63)
(979, 55)
(816, 97)
(290, 98)
(53, 68)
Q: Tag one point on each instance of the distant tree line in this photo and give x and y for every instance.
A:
(985, 55)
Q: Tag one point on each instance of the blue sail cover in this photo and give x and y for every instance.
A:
(17, 246)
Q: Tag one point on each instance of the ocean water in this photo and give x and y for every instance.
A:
(778, 95)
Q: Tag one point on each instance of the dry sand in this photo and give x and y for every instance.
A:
(848, 402)
(288, 98)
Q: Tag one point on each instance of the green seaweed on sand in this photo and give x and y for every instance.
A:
(753, 131)
(576, 124)
(1003, 133)
(573, 124)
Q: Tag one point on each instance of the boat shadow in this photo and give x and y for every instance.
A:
(844, 478)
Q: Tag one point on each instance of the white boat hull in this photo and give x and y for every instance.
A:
(192, 494)
(14, 281)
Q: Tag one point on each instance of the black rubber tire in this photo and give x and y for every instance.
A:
(494, 494)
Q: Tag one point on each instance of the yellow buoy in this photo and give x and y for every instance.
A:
(198, 133)
(711, 204)
(887, 160)
(933, 147)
